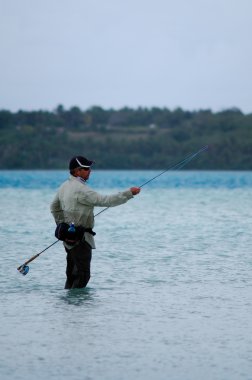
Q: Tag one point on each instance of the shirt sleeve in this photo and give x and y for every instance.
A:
(90, 197)
(56, 210)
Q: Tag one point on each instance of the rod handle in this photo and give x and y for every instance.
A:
(28, 261)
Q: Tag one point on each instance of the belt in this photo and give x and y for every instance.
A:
(90, 231)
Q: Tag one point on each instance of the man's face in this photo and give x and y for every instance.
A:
(84, 173)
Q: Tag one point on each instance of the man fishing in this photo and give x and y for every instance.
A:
(72, 208)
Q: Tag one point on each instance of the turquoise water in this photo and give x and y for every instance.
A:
(170, 293)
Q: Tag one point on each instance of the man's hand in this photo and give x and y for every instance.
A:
(135, 190)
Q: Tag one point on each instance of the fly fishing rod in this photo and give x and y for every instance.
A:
(24, 268)
(179, 165)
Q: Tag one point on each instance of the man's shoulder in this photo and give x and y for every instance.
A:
(65, 183)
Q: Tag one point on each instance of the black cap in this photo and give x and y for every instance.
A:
(79, 162)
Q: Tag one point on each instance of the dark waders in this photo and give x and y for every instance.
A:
(78, 265)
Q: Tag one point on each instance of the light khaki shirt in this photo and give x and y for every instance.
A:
(75, 202)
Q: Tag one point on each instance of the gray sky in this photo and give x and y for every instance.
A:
(194, 54)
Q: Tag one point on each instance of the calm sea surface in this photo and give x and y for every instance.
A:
(171, 290)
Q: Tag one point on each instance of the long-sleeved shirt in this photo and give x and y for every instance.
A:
(75, 202)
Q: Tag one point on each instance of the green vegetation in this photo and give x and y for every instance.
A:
(143, 138)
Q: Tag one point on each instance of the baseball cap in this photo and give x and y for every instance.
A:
(79, 162)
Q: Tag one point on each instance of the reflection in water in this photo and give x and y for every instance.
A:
(78, 297)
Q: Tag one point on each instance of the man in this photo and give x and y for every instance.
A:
(74, 203)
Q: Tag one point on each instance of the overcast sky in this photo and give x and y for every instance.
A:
(194, 54)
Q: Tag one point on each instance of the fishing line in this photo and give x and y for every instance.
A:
(24, 268)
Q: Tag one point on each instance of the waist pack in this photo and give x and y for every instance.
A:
(71, 237)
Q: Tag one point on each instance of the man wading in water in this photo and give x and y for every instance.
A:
(72, 209)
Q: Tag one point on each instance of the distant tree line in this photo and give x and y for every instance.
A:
(142, 138)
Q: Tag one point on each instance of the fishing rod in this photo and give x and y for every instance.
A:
(24, 268)
(179, 165)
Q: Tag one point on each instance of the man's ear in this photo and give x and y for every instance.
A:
(75, 172)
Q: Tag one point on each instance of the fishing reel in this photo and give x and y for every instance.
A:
(24, 269)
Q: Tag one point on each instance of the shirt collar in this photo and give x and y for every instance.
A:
(79, 179)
